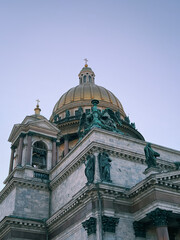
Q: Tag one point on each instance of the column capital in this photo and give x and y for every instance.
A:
(53, 139)
(159, 217)
(109, 223)
(139, 229)
(22, 135)
(90, 225)
(30, 133)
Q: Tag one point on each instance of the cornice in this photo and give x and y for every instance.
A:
(131, 139)
(94, 147)
(16, 222)
(123, 137)
(117, 194)
(22, 183)
(156, 180)
(76, 200)
(22, 168)
(68, 123)
(25, 129)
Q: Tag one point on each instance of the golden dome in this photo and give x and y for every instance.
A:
(82, 95)
(77, 100)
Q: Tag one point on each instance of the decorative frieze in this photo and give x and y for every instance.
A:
(159, 217)
(15, 222)
(109, 224)
(139, 229)
(90, 225)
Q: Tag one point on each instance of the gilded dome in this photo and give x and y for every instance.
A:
(77, 102)
(85, 93)
(82, 95)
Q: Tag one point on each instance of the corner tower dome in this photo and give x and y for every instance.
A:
(83, 94)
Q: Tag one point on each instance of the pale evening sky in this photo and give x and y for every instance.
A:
(133, 46)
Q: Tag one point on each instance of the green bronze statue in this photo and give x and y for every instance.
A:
(104, 166)
(90, 168)
(67, 113)
(150, 155)
(106, 120)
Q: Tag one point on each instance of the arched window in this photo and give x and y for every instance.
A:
(39, 155)
(84, 78)
(90, 80)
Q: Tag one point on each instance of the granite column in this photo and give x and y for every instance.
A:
(11, 159)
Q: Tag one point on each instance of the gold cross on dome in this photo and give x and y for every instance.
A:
(86, 62)
(37, 102)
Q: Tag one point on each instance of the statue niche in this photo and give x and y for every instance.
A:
(39, 155)
(104, 166)
(90, 168)
(150, 155)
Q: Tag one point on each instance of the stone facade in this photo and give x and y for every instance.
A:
(66, 201)
(64, 184)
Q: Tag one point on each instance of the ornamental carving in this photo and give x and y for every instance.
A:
(109, 224)
(159, 217)
(90, 225)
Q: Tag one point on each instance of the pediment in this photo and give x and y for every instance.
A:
(28, 119)
(33, 124)
(13, 131)
(43, 124)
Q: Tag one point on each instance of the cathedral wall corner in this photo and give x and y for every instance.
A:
(32, 203)
(65, 191)
(7, 206)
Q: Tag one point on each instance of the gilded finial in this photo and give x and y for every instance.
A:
(86, 65)
(37, 109)
(38, 101)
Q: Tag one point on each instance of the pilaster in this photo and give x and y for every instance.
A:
(28, 152)
(11, 159)
(20, 149)
(54, 152)
(57, 151)
(66, 145)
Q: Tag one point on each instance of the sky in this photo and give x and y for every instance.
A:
(133, 46)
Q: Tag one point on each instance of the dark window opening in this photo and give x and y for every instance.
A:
(39, 155)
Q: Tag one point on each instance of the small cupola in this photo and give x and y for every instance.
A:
(37, 110)
(86, 75)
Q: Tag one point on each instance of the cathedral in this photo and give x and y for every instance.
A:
(87, 173)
